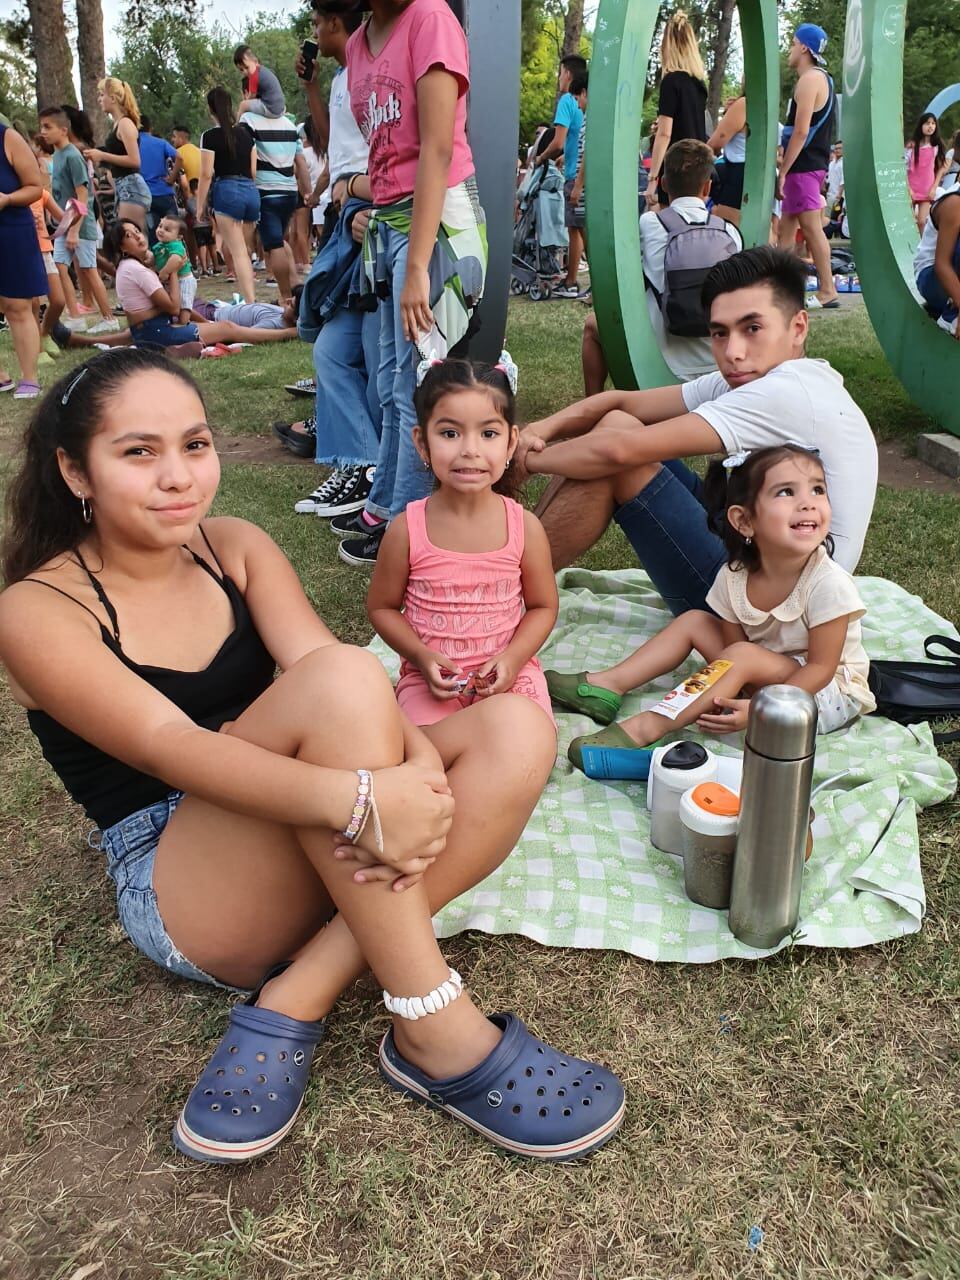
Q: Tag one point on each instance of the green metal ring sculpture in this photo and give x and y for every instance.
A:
(618, 75)
(924, 357)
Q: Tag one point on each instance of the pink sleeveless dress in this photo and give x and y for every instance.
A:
(920, 174)
(467, 605)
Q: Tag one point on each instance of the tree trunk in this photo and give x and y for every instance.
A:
(51, 51)
(723, 14)
(91, 59)
(572, 27)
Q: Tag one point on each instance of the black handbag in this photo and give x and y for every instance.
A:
(912, 691)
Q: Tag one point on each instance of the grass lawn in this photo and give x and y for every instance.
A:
(827, 1116)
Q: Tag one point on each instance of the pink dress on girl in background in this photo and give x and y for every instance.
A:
(468, 606)
(920, 173)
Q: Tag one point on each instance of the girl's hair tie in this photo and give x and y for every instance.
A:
(424, 367)
(734, 460)
(506, 366)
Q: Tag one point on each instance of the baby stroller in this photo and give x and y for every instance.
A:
(539, 233)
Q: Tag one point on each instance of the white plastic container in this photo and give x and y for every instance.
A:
(709, 815)
(674, 769)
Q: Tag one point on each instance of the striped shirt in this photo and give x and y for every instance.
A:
(278, 143)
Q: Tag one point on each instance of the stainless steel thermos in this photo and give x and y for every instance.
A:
(774, 815)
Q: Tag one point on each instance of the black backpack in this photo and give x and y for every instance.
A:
(912, 691)
(692, 249)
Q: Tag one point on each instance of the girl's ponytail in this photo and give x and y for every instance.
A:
(221, 106)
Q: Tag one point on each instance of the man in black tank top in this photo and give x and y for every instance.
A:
(806, 156)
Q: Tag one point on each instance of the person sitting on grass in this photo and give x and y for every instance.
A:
(150, 310)
(619, 452)
(172, 263)
(688, 170)
(936, 263)
(462, 588)
(783, 612)
(274, 834)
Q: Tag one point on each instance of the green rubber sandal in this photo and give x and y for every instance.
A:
(576, 693)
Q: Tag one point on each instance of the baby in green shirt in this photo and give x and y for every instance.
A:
(172, 263)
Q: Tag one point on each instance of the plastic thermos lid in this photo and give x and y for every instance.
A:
(710, 809)
(685, 755)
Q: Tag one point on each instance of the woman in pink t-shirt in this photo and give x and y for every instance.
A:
(409, 75)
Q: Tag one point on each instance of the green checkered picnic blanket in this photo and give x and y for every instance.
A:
(585, 874)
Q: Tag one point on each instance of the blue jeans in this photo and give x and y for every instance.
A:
(401, 475)
(238, 198)
(933, 292)
(666, 524)
(346, 356)
(131, 849)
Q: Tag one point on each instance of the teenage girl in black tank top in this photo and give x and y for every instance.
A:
(141, 637)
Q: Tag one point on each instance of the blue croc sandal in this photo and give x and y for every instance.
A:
(524, 1097)
(249, 1094)
(611, 755)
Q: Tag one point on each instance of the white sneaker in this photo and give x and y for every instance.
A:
(106, 326)
(325, 494)
(949, 325)
(76, 324)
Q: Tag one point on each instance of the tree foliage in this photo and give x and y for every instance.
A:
(173, 61)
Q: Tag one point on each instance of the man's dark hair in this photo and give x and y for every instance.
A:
(145, 124)
(782, 271)
(575, 63)
(240, 53)
(181, 128)
(687, 165)
(578, 84)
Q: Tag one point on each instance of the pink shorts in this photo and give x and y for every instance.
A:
(801, 192)
(417, 702)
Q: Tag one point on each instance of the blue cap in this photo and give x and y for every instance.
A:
(813, 38)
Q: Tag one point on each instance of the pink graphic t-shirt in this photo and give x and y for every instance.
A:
(383, 95)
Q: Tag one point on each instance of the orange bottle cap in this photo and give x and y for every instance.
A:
(713, 798)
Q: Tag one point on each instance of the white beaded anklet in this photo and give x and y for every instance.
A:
(414, 1007)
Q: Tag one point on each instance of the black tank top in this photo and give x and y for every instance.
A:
(238, 673)
(115, 147)
(815, 155)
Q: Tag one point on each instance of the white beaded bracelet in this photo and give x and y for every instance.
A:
(414, 1007)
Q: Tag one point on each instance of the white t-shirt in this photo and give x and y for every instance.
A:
(685, 357)
(347, 151)
(834, 180)
(823, 592)
(801, 402)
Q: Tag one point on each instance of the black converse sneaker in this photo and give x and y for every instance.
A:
(352, 496)
(362, 551)
(325, 493)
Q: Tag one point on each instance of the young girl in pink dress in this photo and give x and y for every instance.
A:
(926, 165)
(463, 587)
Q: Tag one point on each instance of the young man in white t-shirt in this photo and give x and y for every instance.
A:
(688, 172)
(617, 454)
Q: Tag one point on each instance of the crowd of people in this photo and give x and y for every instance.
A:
(280, 834)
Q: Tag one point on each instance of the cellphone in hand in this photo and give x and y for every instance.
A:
(309, 49)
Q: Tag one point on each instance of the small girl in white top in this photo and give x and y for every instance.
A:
(784, 613)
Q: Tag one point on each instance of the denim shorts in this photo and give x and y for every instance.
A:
(131, 848)
(84, 255)
(666, 524)
(236, 198)
(132, 189)
(275, 213)
(162, 332)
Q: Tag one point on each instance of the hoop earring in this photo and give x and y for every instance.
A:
(86, 508)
